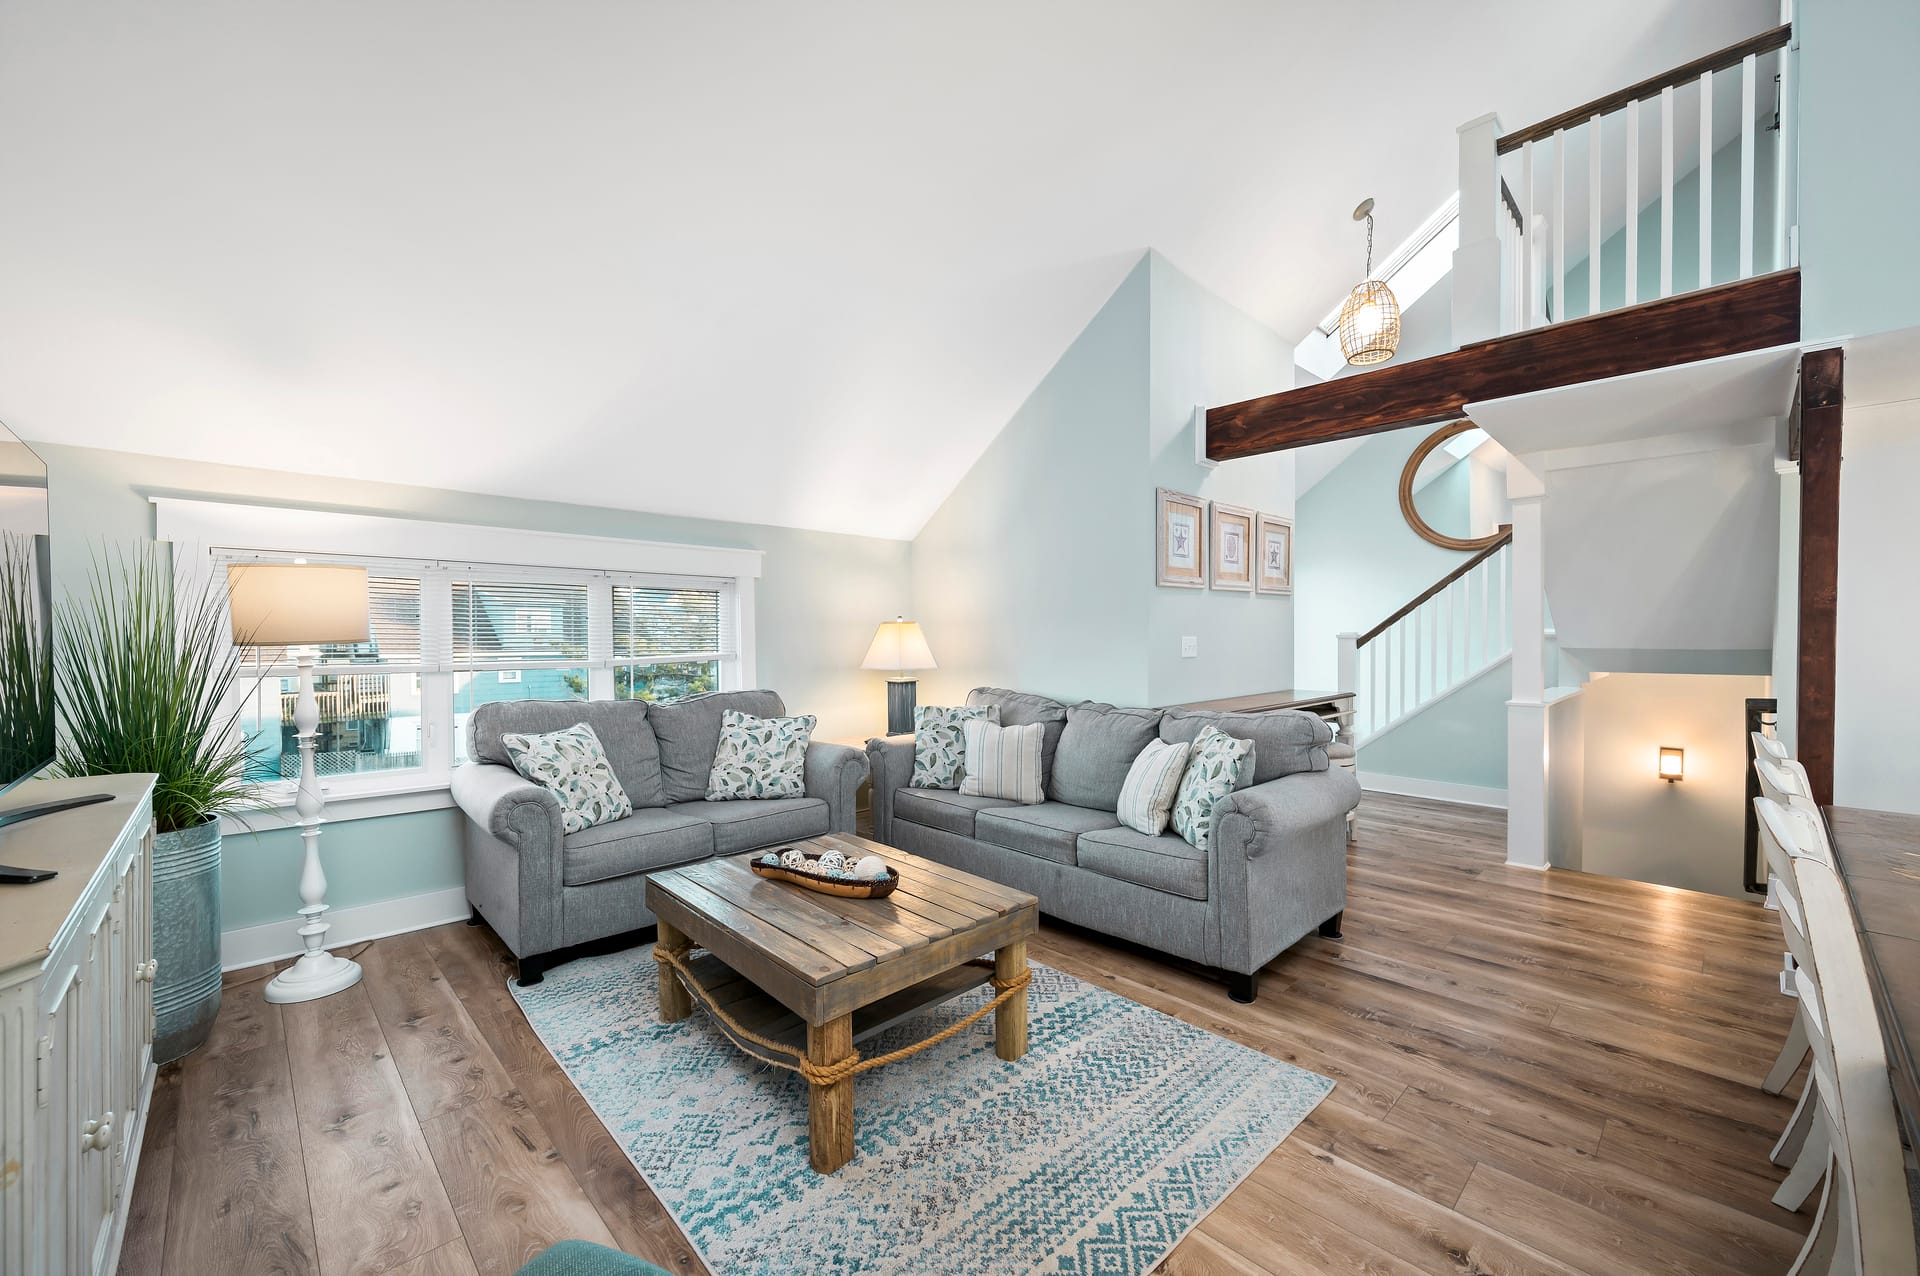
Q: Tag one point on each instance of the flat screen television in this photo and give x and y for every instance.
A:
(26, 615)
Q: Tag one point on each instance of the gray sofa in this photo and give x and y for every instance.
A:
(1274, 869)
(545, 892)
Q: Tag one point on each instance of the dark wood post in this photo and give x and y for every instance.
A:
(1817, 413)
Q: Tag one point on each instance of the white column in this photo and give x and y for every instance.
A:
(1476, 262)
(1527, 759)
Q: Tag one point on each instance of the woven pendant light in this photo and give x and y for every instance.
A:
(1370, 319)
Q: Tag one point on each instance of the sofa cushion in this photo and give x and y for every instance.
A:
(1146, 800)
(939, 750)
(622, 725)
(759, 758)
(1003, 762)
(1217, 764)
(1284, 741)
(748, 826)
(649, 838)
(1048, 830)
(1162, 862)
(689, 735)
(571, 763)
(1018, 708)
(944, 809)
(1096, 751)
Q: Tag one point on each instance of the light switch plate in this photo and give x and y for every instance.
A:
(1189, 648)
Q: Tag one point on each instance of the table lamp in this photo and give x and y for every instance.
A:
(300, 605)
(898, 647)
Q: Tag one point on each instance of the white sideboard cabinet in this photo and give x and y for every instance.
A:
(76, 1025)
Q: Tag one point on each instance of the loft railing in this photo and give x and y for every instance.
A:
(1447, 634)
(1551, 214)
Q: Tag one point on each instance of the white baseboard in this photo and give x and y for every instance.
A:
(251, 945)
(1438, 790)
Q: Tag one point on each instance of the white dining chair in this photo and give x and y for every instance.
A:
(1766, 746)
(1864, 1224)
(1787, 833)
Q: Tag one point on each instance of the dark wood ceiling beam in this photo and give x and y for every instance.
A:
(1818, 409)
(1752, 314)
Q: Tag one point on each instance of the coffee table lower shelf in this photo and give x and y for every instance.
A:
(754, 1010)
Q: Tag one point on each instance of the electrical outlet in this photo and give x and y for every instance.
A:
(1189, 648)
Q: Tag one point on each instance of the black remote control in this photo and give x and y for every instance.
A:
(13, 876)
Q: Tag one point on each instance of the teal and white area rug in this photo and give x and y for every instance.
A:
(1092, 1156)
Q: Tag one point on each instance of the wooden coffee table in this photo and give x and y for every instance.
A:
(820, 974)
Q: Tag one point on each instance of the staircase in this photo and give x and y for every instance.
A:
(1450, 633)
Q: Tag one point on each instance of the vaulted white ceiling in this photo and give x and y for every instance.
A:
(786, 263)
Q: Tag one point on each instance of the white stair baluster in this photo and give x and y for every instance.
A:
(1632, 292)
(1593, 216)
(1706, 180)
(1666, 191)
(1558, 204)
(1747, 179)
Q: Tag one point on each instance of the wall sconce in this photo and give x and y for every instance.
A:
(1673, 763)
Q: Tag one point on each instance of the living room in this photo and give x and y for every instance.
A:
(986, 641)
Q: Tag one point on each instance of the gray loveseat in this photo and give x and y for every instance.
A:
(544, 892)
(1274, 869)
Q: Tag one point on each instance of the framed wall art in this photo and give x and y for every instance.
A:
(1273, 562)
(1181, 540)
(1231, 537)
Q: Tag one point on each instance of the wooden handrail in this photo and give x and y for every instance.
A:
(1506, 539)
(1730, 56)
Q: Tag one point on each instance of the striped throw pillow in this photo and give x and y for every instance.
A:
(1003, 762)
(1146, 799)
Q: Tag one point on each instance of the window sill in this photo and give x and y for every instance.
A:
(418, 794)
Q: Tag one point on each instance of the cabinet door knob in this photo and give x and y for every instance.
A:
(144, 973)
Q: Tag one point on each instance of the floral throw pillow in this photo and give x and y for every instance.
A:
(760, 757)
(572, 763)
(939, 752)
(1213, 766)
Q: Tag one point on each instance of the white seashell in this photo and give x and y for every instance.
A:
(870, 867)
(794, 859)
(832, 860)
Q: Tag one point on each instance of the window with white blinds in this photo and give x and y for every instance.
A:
(520, 624)
(655, 625)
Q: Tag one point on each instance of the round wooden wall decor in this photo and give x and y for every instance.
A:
(1420, 525)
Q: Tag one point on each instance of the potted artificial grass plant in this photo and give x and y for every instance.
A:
(145, 671)
(26, 662)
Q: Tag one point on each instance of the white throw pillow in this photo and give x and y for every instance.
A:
(939, 752)
(572, 763)
(1213, 767)
(1003, 762)
(760, 757)
(1146, 799)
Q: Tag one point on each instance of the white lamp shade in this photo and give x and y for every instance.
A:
(899, 645)
(296, 604)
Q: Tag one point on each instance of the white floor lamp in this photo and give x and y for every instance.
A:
(301, 605)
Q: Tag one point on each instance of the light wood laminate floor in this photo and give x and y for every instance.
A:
(1538, 1072)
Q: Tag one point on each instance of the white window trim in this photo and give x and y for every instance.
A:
(200, 529)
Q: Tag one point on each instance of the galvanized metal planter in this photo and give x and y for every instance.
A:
(186, 938)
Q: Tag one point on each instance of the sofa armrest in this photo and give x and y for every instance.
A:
(524, 815)
(1278, 862)
(836, 772)
(513, 854)
(1281, 811)
(890, 758)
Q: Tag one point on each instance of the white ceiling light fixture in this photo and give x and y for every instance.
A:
(1370, 319)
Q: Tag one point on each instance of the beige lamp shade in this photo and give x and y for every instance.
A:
(899, 645)
(296, 604)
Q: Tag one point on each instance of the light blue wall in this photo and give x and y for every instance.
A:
(1037, 572)
(1459, 740)
(1207, 352)
(816, 606)
(1859, 183)
(1034, 572)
